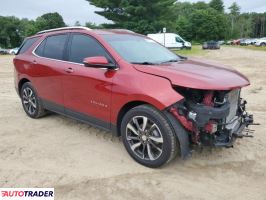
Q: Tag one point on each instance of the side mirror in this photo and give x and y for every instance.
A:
(98, 62)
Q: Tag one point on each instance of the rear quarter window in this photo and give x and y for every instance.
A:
(27, 44)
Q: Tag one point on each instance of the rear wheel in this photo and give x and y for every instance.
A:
(31, 102)
(148, 137)
(263, 44)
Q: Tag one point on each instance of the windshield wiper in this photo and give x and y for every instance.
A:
(181, 58)
(144, 63)
(172, 60)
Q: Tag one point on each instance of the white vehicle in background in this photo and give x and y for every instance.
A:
(261, 42)
(13, 51)
(170, 40)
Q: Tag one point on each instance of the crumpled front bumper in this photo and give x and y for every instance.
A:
(238, 128)
(208, 126)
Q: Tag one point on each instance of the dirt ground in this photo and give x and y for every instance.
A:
(82, 162)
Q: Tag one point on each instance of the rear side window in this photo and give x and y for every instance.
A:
(27, 44)
(52, 47)
(83, 46)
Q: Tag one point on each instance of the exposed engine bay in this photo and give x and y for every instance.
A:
(212, 118)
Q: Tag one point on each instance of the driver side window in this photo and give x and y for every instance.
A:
(83, 46)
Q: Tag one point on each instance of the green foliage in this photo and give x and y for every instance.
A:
(208, 24)
(200, 5)
(141, 16)
(217, 5)
(49, 21)
(195, 22)
(28, 27)
(14, 30)
(184, 27)
(200, 22)
(93, 25)
(234, 9)
(10, 32)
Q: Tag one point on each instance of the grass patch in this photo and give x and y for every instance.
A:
(196, 50)
(251, 48)
(3, 56)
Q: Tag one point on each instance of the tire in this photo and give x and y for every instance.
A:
(263, 44)
(31, 103)
(153, 145)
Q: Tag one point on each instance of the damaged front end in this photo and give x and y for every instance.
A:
(212, 118)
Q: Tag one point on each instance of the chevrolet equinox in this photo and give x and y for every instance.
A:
(160, 103)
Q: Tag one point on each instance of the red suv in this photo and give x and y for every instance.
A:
(160, 103)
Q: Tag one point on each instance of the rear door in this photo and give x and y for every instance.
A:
(50, 65)
(87, 90)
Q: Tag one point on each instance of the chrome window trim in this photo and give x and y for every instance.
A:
(33, 52)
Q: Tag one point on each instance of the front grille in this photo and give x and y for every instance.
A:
(233, 98)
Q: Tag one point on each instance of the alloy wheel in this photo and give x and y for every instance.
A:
(29, 100)
(144, 138)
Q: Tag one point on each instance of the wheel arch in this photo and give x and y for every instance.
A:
(120, 109)
(125, 108)
(21, 83)
(182, 136)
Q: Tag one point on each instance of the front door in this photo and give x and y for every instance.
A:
(87, 90)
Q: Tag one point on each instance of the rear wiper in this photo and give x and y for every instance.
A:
(144, 63)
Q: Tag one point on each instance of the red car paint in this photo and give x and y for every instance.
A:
(198, 75)
(102, 93)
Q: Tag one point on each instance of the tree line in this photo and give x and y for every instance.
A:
(196, 22)
(14, 30)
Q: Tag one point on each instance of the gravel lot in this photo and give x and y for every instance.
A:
(82, 162)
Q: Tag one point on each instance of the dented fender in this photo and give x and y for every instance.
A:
(154, 90)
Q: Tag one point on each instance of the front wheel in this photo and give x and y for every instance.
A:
(148, 137)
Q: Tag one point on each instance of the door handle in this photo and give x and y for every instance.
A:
(69, 70)
(34, 62)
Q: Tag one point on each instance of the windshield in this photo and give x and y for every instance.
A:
(140, 50)
(179, 39)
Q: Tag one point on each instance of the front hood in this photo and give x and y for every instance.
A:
(197, 74)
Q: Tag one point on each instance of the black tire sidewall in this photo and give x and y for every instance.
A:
(167, 135)
(39, 109)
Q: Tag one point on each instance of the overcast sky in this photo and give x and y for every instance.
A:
(82, 11)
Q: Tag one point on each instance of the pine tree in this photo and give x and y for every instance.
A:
(142, 16)
(217, 5)
(234, 14)
(234, 9)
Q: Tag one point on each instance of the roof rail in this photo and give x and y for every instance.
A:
(120, 29)
(64, 28)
